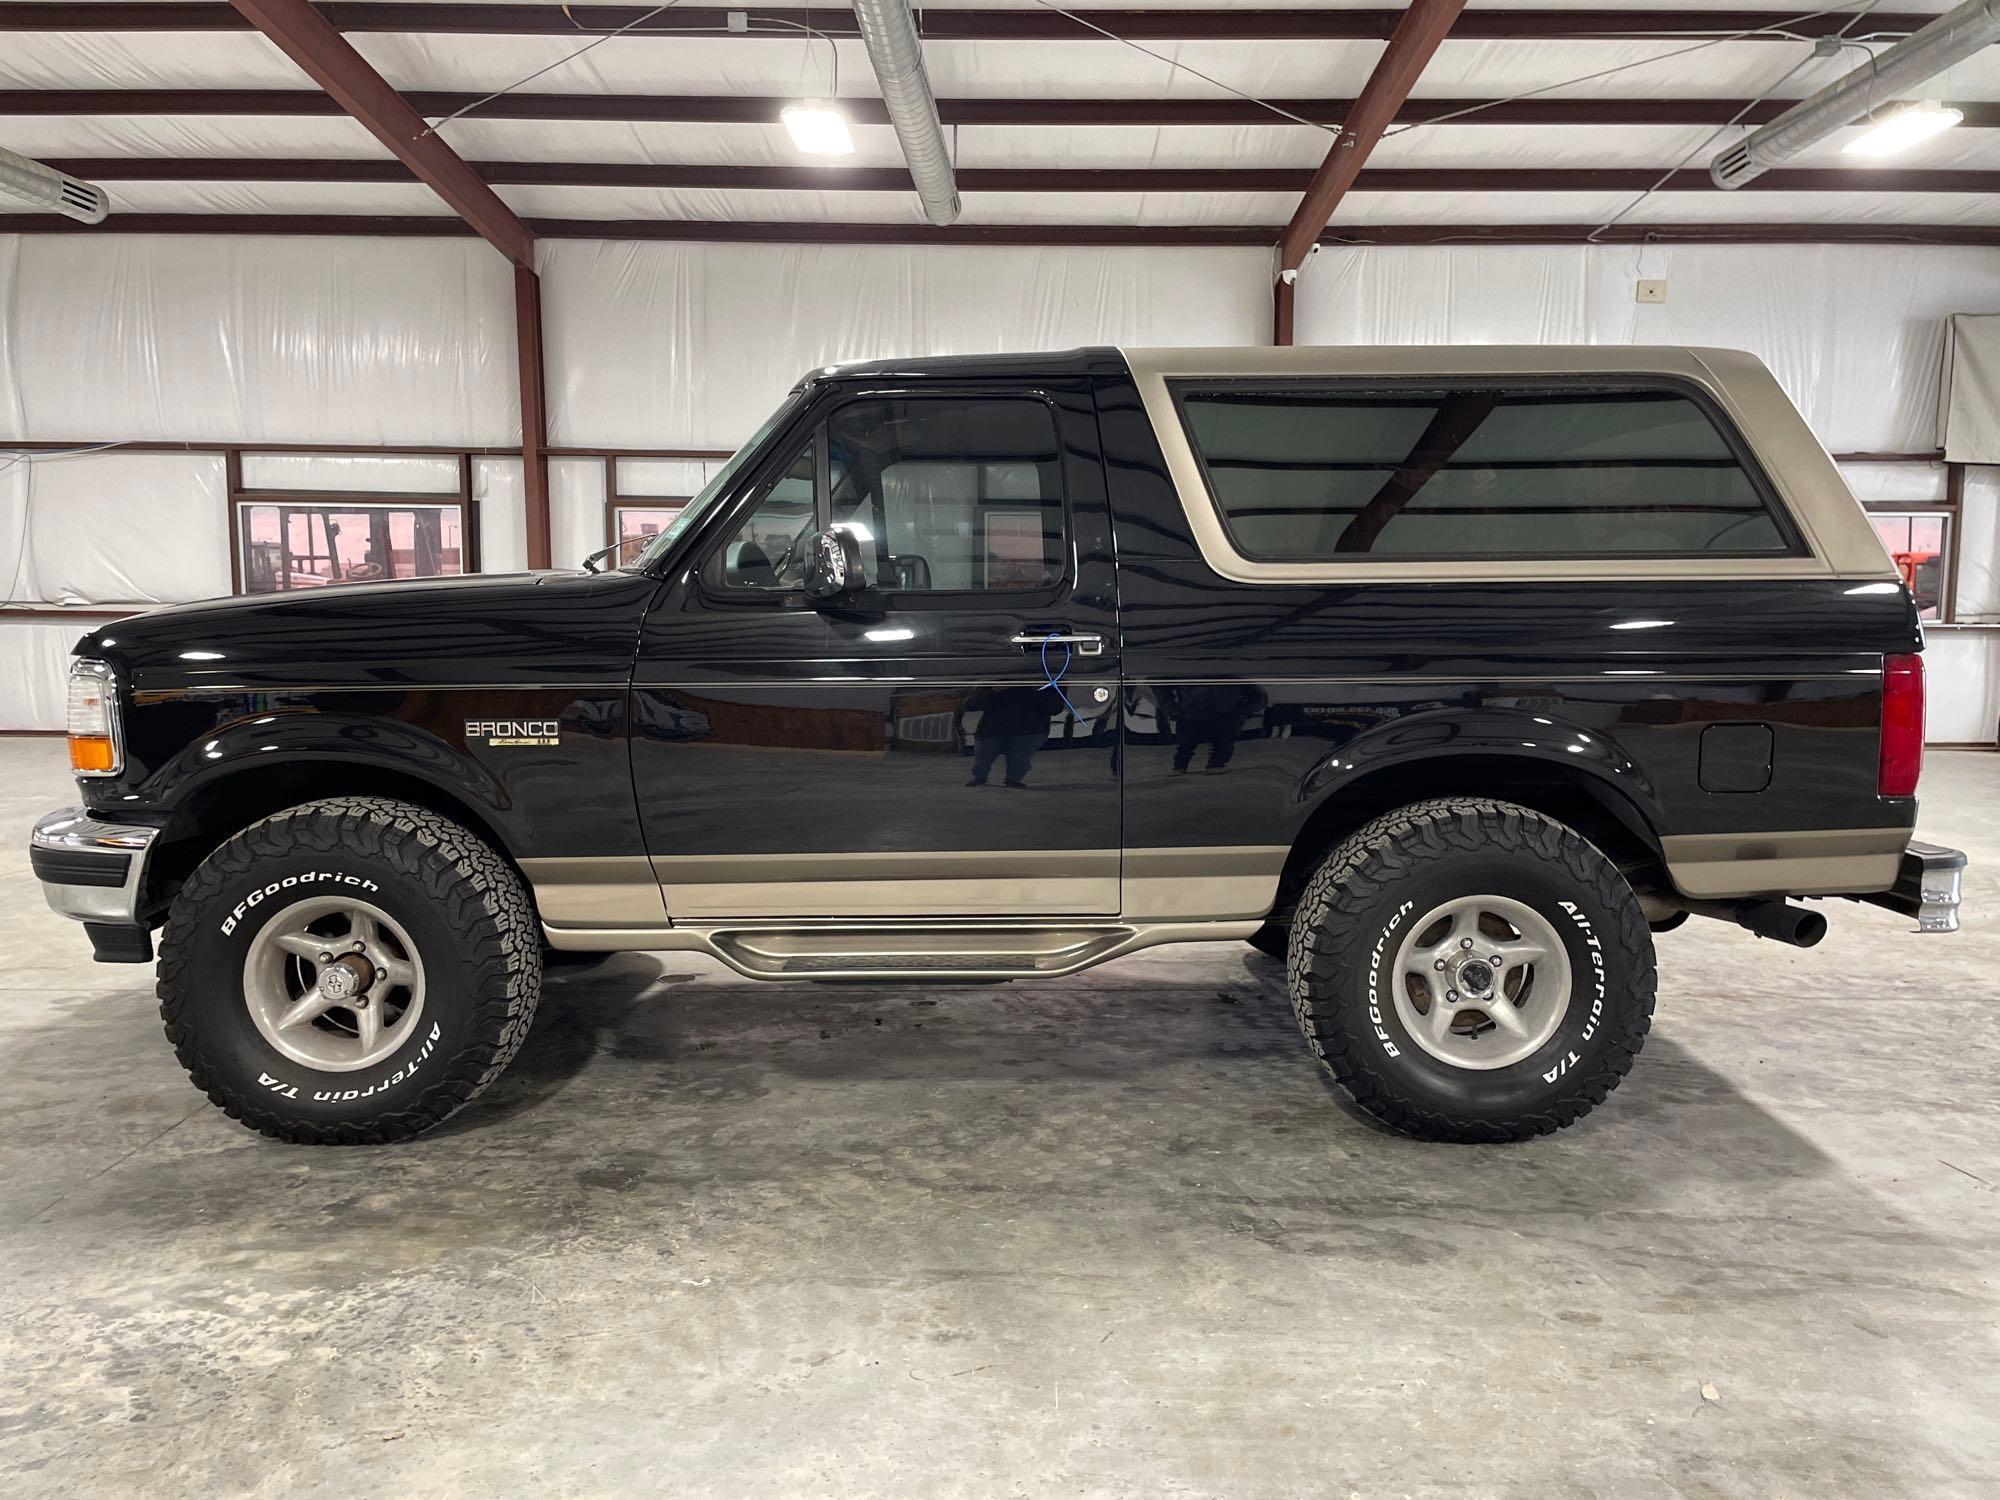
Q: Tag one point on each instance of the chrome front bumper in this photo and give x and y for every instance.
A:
(91, 870)
(1927, 887)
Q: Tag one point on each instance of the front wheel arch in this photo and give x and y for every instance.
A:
(219, 809)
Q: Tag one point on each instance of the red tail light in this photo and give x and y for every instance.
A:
(1902, 726)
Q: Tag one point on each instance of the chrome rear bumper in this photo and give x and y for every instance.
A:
(1927, 887)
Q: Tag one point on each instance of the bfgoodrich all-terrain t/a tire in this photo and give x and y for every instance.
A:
(349, 971)
(1470, 970)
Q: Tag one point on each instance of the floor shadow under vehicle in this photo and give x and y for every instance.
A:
(1134, 1035)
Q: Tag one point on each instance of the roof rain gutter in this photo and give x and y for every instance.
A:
(1951, 38)
(890, 32)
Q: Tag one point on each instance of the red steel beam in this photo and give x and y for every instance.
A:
(1160, 23)
(1283, 303)
(306, 37)
(1031, 179)
(730, 109)
(534, 412)
(820, 233)
(1402, 62)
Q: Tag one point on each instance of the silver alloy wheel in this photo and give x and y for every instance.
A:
(333, 983)
(1482, 981)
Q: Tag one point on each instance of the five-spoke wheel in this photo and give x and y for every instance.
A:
(334, 983)
(1482, 981)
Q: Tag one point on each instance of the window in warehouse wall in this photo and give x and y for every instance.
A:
(362, 527)
(644, 493)
(634, 523)
(317, 543)
(309, 542)
(1919, 542)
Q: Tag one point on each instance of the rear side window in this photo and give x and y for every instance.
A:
(1319, 475)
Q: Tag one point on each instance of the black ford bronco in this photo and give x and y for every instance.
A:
(1448, 676)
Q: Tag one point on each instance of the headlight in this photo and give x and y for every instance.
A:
(96, 747)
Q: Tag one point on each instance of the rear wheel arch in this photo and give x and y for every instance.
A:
(1577, 798)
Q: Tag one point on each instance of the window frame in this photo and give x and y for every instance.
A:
(1361, 388)
(1947, 510)
(241, 502)
(710, 571)
(813, 423)
(616, 505)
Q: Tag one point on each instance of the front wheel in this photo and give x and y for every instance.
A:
(1471, 970)
(352, 970)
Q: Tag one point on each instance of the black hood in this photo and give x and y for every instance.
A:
(488, 628)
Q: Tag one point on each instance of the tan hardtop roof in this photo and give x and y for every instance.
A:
(1837, 532)
(1427, 359)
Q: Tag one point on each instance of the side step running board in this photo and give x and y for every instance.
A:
(935, 951)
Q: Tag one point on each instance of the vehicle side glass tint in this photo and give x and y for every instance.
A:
(1474, 472)
(768, 551)
(947, 494)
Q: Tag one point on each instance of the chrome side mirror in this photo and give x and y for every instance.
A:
(833, 565)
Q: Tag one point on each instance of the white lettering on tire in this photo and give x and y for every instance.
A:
(1375, 980)
(344, 1096)
(311, 877)
(1599, 982)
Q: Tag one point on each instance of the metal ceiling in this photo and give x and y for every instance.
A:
(192, 119)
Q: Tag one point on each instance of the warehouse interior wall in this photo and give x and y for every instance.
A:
(266, 341)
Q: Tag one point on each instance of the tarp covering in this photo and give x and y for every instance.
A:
(669, 345)
(279, 342)
(1969, 390)
(1854, 333)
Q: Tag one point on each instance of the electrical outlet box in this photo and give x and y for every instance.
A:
(1653, 291)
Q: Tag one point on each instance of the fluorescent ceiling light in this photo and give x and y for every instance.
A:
(1904, 129)
(818, 128)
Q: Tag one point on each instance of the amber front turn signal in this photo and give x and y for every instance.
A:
(93, 719)
(93, 753)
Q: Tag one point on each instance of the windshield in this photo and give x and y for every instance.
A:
(724, 476)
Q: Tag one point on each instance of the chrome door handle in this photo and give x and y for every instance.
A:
(1086, 645)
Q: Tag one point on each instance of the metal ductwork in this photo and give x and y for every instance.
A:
(45, 187)
(890, 31)
(1894, 74)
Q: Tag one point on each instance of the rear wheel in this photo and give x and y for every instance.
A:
(1471, 970)
(352, 970)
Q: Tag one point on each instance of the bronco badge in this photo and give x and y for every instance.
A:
(501, 733)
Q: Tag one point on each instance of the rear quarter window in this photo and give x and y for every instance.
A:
(1470, 471)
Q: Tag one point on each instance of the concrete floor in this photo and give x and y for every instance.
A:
(1103, 1236)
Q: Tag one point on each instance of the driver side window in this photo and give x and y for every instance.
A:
(768, 551)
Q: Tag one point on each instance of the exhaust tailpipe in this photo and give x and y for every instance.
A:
(1778, 920)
